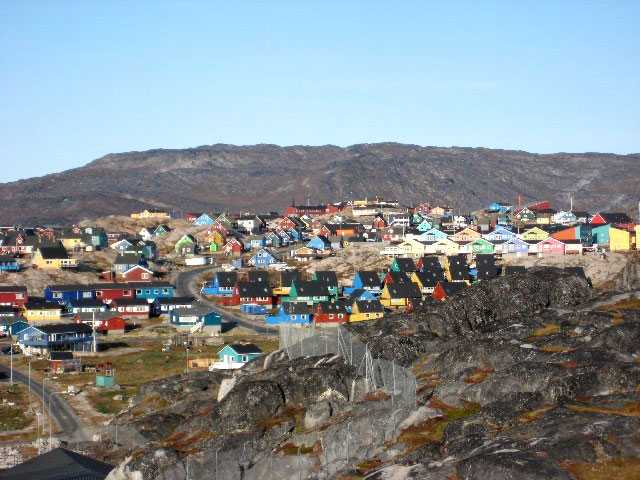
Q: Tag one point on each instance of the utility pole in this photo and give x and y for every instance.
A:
(93, 324)
(50, 429)
(30, 401)
(11, 355)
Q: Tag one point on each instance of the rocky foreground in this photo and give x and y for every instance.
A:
(517, 378)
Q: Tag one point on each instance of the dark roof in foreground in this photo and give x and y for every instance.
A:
(58, 464)
(245, 348)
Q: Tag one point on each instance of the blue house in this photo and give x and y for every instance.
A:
(257, 242)
(236, 355)
(63, 294)
(203, 219)
(124, 261)
(296, 234)
(432, 235)
(8, 264)
(12, 324)
(319, 243)
(291, 312)
(424, 226)
(264, 258)
(499, 207)
(122, 246)
(285, 238)
(515, 245)
(223, 283)
(358, 295)
(152, 290)
(365, 280)
(86, 306)
(162, 306)
(43, 339)
(194, 319)
(499, 234)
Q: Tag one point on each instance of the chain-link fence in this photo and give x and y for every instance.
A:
(380, 373)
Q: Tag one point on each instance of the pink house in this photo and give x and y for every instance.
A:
(550, 245)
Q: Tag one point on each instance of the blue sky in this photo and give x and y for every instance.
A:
(82, 79)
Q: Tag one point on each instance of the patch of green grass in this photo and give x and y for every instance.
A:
(14, 417)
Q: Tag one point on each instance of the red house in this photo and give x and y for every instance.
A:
(379, 222)
(131, 307)
(106, 322)
(445, 290)
(331, 312)
(311, 210)
(12, 295)
(390, 234)
(233, 248)
(107, 292)
(618, 219)
(192, 215)
(137, 273)
(252, 293)
(286, 223)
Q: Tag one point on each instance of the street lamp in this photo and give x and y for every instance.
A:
(50, 429)
(43, 402)
(30, 402)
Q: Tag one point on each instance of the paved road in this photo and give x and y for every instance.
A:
(186, 284)
(67, 422)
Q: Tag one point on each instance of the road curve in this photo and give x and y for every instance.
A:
(184, 283)
(68, 423)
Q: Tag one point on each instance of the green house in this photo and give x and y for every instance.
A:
(525, 215)
(213, 247)
(186, 245)
(239, 354)
(480, 245)
(105, 380)
(310, 292)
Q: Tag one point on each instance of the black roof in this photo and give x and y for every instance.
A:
(127, 259)
(458, 267)
(42, 306)
(245, 348)
(398, 277)
(615, 217)
(451, 288)
(404, 290)
(87, 303)
(13, 288)
(431, 263)
(61, 356)
(312, 288)
(292, 308)
(105, 315)
(287, 278)
(258, 276)
(110, 286)
(369, 279)
(333, 307)
(430, 278)
(227, 279)
(486, 266)
(72, 287)
(327, 277)
(254, 289)
(11, 319)
(150, 284)
(51, 253)
(130, 301)
(511, 269)
(174, 301)
(365, 306)
(405, 264)
(64, 328)
(57, 464)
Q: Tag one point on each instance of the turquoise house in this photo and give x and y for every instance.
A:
(600, 235)
(236, 356)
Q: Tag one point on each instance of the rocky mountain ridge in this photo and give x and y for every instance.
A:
(267, 177)
(518, 377)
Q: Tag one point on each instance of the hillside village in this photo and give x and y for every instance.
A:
(222, 285)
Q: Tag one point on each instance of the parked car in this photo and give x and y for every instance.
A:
(7, 350)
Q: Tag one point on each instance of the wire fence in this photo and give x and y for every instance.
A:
(380, 373)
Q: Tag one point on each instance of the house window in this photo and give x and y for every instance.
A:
(19, 296)
(245, 358)
(367, 315)
(98, 293)
(165, 290)
(293, 317)
(331, 316)
(138, 292)
(86, 294)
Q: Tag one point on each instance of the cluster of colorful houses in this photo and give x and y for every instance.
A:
(288, 297)
(67, 317)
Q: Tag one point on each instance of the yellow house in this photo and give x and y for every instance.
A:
(151, 213)
(366, 310)
(534, 233)
(70, 243)
(44, 311)
(398, 294)
(637, 229)
(445, 246)
(215, 237)
(53, 257)
(619, 239)
(543, 219)
(411, 248)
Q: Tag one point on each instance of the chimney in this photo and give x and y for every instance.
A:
(519, 200)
